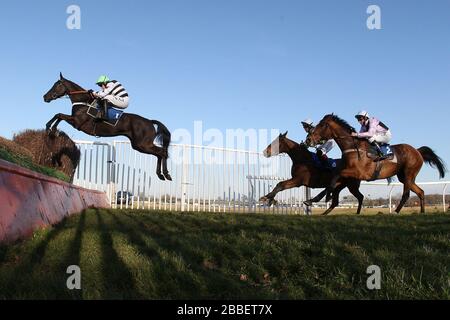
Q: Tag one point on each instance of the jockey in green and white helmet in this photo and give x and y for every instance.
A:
(112, 94)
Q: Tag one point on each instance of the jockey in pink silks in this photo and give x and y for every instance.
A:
(375, 131)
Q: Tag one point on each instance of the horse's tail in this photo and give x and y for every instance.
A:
(162, 135)
(433, 160)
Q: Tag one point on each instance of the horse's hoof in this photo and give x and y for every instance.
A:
(51, 134)
(167, 176)
(266, 201)
(325, 213)
(307, 203)
(160, 176)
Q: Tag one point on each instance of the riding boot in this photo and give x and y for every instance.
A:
(102, 110)
(380, 156)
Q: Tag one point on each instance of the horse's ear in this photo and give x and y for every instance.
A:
(285, 134)
(61, 76)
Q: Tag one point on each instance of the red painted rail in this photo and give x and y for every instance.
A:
(29, 200)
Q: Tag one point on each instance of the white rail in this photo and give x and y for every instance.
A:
(396, 184)
(204, 179)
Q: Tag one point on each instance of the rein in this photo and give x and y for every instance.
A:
(356, 148)
(70, 93)
(77, 92)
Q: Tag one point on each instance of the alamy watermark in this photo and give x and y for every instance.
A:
(73, 21)
(212, 146)
(374, 20)
(374, 280)
(74, 280)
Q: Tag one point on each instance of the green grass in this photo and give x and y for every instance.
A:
(125, 254)
(26, 162)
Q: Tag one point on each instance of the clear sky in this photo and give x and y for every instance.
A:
(237, 63)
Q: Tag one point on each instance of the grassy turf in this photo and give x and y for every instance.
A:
(160, 255)
(26, 162)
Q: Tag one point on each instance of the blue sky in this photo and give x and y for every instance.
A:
(237, 64)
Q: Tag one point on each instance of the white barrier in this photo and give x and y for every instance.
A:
(397, 184)
(204, 178)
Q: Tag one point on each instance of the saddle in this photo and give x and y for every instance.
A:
(330, 164)
(113, 114)
(387, 153)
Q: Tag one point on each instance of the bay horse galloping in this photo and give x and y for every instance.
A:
(358, 164)
(306, 173)
(139, 130)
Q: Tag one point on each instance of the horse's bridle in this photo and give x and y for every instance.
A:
(55, 95)
(67, 92)
(356, 148)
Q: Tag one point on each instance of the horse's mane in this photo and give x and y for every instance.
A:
(341, 122)
(76, 86)
(302, 145)
(298, 147)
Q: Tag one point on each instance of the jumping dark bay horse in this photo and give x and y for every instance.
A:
(406, 163)
(305, 173)
(141, 131)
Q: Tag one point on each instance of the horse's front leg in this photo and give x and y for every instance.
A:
(316, 198)
(288, 184)
(59, 117)
(49, 124)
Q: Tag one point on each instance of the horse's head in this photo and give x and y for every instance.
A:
(279, 145)
(320, 132)
(330, 127)
(58, 90)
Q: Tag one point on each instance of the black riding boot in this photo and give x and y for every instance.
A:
(102, 110)
(381, 156)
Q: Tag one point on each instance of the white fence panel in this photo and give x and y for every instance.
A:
(204, 178)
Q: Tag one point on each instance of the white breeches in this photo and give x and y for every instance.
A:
(326, 146)
(381, 138)
(120, 103)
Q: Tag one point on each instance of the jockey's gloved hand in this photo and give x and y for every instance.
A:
(319, 153)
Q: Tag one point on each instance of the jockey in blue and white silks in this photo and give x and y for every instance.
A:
(323, 148)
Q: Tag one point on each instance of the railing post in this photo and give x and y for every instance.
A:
(184, 172)
(443, 197)
(308, 210)
(390, 199)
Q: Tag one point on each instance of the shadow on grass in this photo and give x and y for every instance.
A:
(195, 281)
(335, 253)
(196, 256)
(118, 282)
(46, 280)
